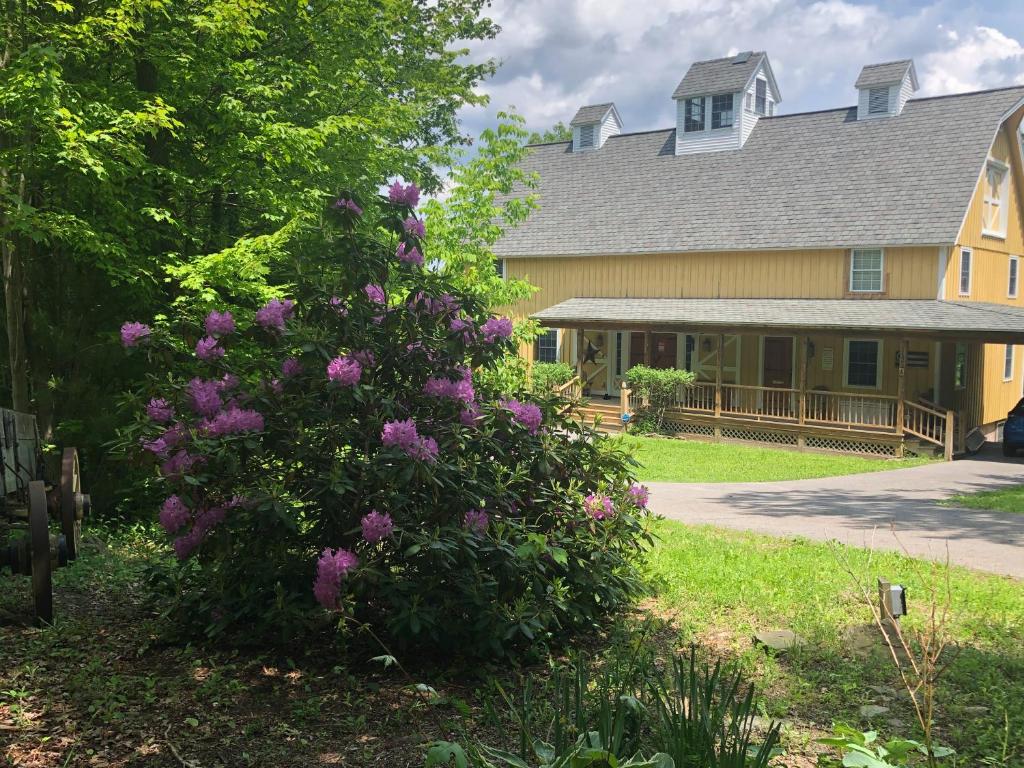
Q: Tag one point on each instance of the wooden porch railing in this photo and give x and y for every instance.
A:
(571, 390)
(760, 403)
(852, 410)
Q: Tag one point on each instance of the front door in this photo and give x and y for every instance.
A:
(664, 353)
(778, 362)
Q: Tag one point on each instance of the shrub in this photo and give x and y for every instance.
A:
(547, 376)
(333, 447)
(657, 388)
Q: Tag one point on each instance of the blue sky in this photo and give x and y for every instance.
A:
(557, 55)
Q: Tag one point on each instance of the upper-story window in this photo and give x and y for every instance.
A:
(1008, 363)
(587, 135)
(721, 111)
(878, 101)
(547, 346)
(761, 96)
(1012, 285)
(996, 190)
(965, 271)
(866, 269)
(694, 119)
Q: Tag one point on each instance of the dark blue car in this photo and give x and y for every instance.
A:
(1013, 430)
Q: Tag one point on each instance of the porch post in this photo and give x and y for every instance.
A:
(718, 375)
(901, 393)
(580, 352)
(648, 348)
(801, 438)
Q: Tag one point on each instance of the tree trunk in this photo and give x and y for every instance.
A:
(14, 315)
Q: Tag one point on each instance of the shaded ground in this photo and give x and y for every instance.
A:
(860, 509)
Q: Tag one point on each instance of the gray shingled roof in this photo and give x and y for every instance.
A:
(594, 113)
(814, 180)
(717, 76)
(877, 315)
(883, 74)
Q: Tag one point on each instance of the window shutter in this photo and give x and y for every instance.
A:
(878, 101)
(586, 136)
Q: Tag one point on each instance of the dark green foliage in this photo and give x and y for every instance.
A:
(546, 376)
(656, 389)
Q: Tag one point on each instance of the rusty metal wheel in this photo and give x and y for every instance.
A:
(39, 534)
(72, 501)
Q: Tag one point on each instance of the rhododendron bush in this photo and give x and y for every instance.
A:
(332, 456)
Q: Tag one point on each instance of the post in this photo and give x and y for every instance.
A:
(580, 352)
(805, 342)
(648, 348)
(623, 400)
(901, 393)
(718, 375)
(949, 435)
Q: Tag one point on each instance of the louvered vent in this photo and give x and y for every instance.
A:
(586, 136)
(878, 101)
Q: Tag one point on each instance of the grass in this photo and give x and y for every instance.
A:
(1009, 499)
(683, 461)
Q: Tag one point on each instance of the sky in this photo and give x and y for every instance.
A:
(557, 55)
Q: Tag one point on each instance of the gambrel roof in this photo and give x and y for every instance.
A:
(812, 180)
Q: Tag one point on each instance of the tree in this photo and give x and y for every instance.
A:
(558, 132)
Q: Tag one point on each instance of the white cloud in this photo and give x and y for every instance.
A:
(983, 57)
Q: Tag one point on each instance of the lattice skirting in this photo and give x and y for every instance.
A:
(850, 445)
(688, 428)
(769, 436)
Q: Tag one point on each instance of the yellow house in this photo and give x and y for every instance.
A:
(847, 279)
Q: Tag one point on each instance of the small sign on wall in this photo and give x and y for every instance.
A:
(826, 358)
(914, 359)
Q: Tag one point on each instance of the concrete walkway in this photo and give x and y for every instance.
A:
(859, 510)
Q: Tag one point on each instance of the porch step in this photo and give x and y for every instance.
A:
(607, 410)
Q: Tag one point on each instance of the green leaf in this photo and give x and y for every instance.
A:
(446, 753)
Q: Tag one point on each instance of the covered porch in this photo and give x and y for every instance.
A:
(879, 377)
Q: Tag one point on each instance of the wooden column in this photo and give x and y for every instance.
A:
(579, 352)
(901, 393)
(950, 435)
(718, 375)
(648, 348)
(805, 343)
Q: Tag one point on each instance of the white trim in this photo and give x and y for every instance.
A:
(960, 271)
(1002, 200)
(1016, 282)
(881, 267)
(1012, 361)
(878, 367)
(940, 292)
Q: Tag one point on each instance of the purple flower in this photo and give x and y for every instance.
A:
(132, 334)
(159, 410)
(275, 313)
(178, 465)
(184, 545)
(458, 389)
(350, 205)
(365, 358)
(344, 370)
(414, 226)
(219, 323)
(207, 349)
(469, 415)
(476, 521)
(208, 519)
(375, 294)
(173, 514)
(233, 421)
(638, 494)
(425, 450)
(275, 386)
(228, 382)
(172, 437)
(330, 568)
(527, 414)
(463, 326)
(291, 367)
(377, 526)
(598, 506)
(409, 195)
(205, 396)
(338, 306)
(403, 435)
(496, 328)
(410, 256)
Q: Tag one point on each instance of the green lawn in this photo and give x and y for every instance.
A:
(684, 461)
(1003, 500)
(720, 587)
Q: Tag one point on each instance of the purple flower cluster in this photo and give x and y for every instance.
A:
(409, 256)
(132, 334)
(403, 435)
(409, 195)
(344, 370)
(332, 566)
(159, 410)
(219, 323)
(228, 382)
(375, 294)
(454, 389)
(469, 415)
(465, 327)
(345, 204)
(171, 438)
(476, 521)
(173, 514)
(233, 421)
(291, 367)
(205, 396)
(275, 313)
(527, 414)
(638, 494)
(207, 349)
(338, 306)
(377, 526)
(178, 465)
(496, 328)
(598, 506)
(414, 227)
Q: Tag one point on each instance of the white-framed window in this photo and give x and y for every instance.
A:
(866, 270)
(587, 136)
(1008, 363)
(721, 111)
(499, 268)
(965, 271)
(1013, 281)
(761, 96)
(878, 101)
(547, 346)
(693, 117)
(996, 189)
(862, 364)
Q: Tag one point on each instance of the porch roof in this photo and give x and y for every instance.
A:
(977, 321)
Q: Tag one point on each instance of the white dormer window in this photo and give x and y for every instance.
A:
(994, 206)
(761, 97)
(586, 136)
(694, 120)
(721, 111)
(866, 270)
(878, 101)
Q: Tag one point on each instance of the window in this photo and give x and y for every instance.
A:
(965, 271)
(862, 368)
(1011, 288)
(618, 354)
(547, 347)
(586, 136)
(499, 268)
(866, 270)
(878, 101)
(693, 119)
(761, 97)
(1008, 363)
(721, 111)
(994, 207)
(750, 101)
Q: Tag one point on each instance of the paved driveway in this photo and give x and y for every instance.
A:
(859, 509)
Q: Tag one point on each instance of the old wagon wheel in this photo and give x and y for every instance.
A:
(72, 502)
(39, 533)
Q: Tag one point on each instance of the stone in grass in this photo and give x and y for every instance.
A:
(780, 640)
(872, 710)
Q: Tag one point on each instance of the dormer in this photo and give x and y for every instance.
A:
(593, 125)
(719, 101)
(885, 88)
